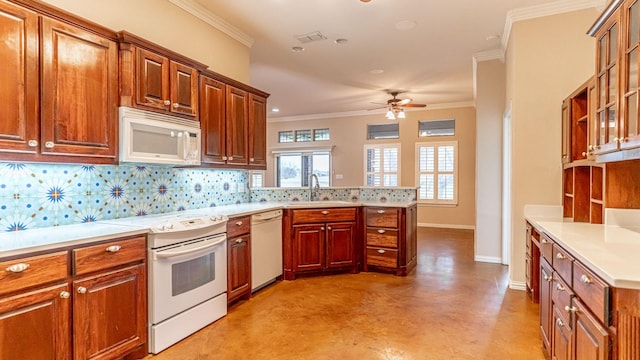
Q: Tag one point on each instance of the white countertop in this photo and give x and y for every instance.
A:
(609, 251)
(36, 240)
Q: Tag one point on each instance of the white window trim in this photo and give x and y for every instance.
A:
(302, 151)
(456, 173)
(383, 146)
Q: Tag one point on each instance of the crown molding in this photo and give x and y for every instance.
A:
(552, 8)
(325, 116)
(217, 22)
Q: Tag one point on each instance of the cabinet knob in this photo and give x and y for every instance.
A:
(584, 153)
(166, 102)
(381, 251)
(82, 290)
(224, 158)
(325, 212)
(328, 227)
(113, 248)
(559, 323)
(252, 159)
(380, 211)
(548, 278)
(238, 223)
(65, 294)
(570, 309)
(49, 144)
(591, 147)
(239, 241)
(18, 268)
(544, 241)
(33, 143)
(322, 228)
(585, 279)
(616, 140)
(176, 105)
(230, 158)
(560, 287)
(559, 256)
(381, 231)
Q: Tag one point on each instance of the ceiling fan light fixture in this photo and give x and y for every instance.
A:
(297, 49)
(401, 114)
(390, 115)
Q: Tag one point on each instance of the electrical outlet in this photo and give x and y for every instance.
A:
(355, 193)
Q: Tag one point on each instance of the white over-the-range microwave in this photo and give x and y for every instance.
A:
(148, 137)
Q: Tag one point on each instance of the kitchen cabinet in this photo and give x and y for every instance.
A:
(65, 109)
(390, 239)
(88, 302)
(532, 263)
(575, 123)
(233, 123)
(238, 258)
(319, 240)
(157, 79)
(546, 317)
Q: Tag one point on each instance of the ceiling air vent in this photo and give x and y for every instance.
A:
(311, 37)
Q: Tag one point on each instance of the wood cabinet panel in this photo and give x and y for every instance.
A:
(382, 237)
(562, 336)
(546, 248)
(238, 226)
(308, 247)
(37, 270)
(592, 341)
(382, 257)
(19, 93)
(382, 217)
(561, 295)
(546, 316)
(184, 89)
(36, 325)
(239, 267)
(323, 215)
(213, 121)
(563, 263)
(237, 116)
(340, 245)
(152, 79)
(593, 292)
(103, 256)
(80, 92)
(110, 313)
(257, 131)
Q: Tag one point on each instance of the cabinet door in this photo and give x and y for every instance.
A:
(238, 267)
(545, 303)
(340, 244)
(257, 131)
(308, 247)
(80, 89)
(110, 313)
(19, 90)
(630, 137)
(36, 325)
(566, 132)
(212, 121)
(561, 336)
(591, 339)
(237, 126)
(184, 89)
(152, 80)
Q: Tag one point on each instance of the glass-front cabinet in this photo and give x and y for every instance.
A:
(629, 124)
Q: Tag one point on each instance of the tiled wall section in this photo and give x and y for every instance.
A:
(41, 195)
(341, 194)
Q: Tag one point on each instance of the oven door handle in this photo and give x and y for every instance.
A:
(170, 254)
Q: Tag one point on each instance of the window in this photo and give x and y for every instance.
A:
(384, 131)
(303, 135)
(256, 179)
(382, 164)
(293, 168)
(437, 127)
(285, 136)
(320, 134)
(437, 172)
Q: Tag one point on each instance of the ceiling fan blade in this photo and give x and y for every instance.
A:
(404, 102)
(415, 105)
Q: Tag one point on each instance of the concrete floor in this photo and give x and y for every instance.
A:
(449, 308)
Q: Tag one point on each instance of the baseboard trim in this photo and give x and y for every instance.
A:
(517, 285)
(447, 226)
(488, 259)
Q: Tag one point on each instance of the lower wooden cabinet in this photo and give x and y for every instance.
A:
(592, 341)
(546, 317)
(238, 258)
(562, 335)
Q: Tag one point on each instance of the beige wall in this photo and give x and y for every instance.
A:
(167, 25)
(348, 135)
(547, 59)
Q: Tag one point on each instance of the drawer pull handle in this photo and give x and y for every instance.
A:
(113, 248)
(381, 251)
(325, 212)
(18, 268)
(570, 309)
(239, 241)
(381, 231)
(380, 211)
(328, 227)
(239, 223)
(559, 323)
(65, 295)
(559, 256)
(544, 241)
(585, 279)
(322, 228)
(548, 278)
(82, 290)
(560, 287)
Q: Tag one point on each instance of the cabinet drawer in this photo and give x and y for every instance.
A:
(382, 217)
(324, 215)
(238, 226)
(382, 237)
(382, 257)
(563, 264)
(546, 248)
(30, 271)
(592, 290)
(561, 295)
(107, 255)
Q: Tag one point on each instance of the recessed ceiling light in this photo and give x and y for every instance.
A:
(297, 49)
(275, 110)
(376, 71)
(404, 25)
(341, 41)
(493, 37)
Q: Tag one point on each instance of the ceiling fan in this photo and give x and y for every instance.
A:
(395, 106)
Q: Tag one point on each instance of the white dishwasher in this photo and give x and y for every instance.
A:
(266, 248)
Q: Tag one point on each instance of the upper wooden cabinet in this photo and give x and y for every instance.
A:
(157, 79)
(257, 131)
(61, 92)
(237, 126)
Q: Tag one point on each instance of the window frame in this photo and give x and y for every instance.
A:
(307, 152)
(261, 173)
(421, 122)
(436, 172)
(382, 172)
(379, 126)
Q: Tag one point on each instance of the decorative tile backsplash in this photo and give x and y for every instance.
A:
(340, 194)
(41, 195)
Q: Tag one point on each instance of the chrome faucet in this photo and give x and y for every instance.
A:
(313, 191)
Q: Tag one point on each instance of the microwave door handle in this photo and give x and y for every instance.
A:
(170, 254)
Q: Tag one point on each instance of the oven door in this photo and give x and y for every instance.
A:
(185, 275)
